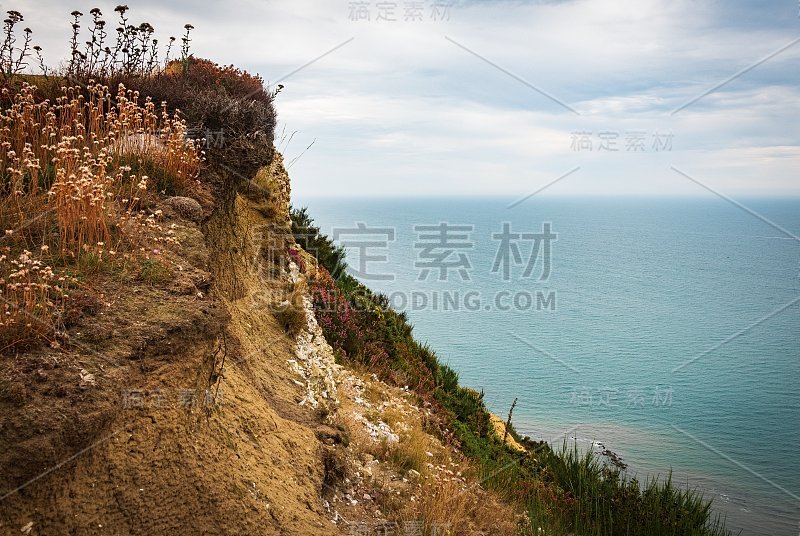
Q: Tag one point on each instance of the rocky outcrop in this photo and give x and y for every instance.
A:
(314, 361)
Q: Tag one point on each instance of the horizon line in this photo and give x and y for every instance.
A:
(505, 197)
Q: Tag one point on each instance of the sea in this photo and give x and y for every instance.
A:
(666, 330)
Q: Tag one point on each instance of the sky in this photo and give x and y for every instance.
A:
(506, 98)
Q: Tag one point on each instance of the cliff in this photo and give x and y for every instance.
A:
(207, 401)
(178, 359)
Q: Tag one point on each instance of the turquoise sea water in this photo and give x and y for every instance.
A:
(674, 339)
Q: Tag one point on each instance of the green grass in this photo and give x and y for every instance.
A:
(599, 500)
(154, 272)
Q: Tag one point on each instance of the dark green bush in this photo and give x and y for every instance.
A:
(308, 236)
(228, 107)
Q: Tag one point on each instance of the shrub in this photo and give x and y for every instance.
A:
(564, 492)
(335, 315)
(359, 324)
(447, 379)
(229, 107)
(308, 236)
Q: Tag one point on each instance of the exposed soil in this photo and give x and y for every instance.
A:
(180, 404)
(133, 426)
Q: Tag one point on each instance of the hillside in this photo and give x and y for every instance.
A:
(185, 353)
(183, 406)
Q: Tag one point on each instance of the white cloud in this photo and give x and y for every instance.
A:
(401, 110)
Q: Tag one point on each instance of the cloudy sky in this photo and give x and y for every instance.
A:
(611, 97)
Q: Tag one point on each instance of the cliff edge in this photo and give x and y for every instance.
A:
(208, 401)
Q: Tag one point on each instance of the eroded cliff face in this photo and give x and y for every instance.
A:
(209, 402)
(179, 408)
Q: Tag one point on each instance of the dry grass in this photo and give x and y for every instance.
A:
(360, 442)
(72, 150)
(450, 507)
(291, 317)
(31, 297)
(66, 191)
(393, 416)
(446, 498)
(443, 509)
(335, 465)
(411, 451)
(375, 394)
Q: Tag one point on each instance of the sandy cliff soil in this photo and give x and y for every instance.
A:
(206, 401)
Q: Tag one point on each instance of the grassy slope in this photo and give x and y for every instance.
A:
(561, 490)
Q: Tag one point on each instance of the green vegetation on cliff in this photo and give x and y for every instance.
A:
(562, 490)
